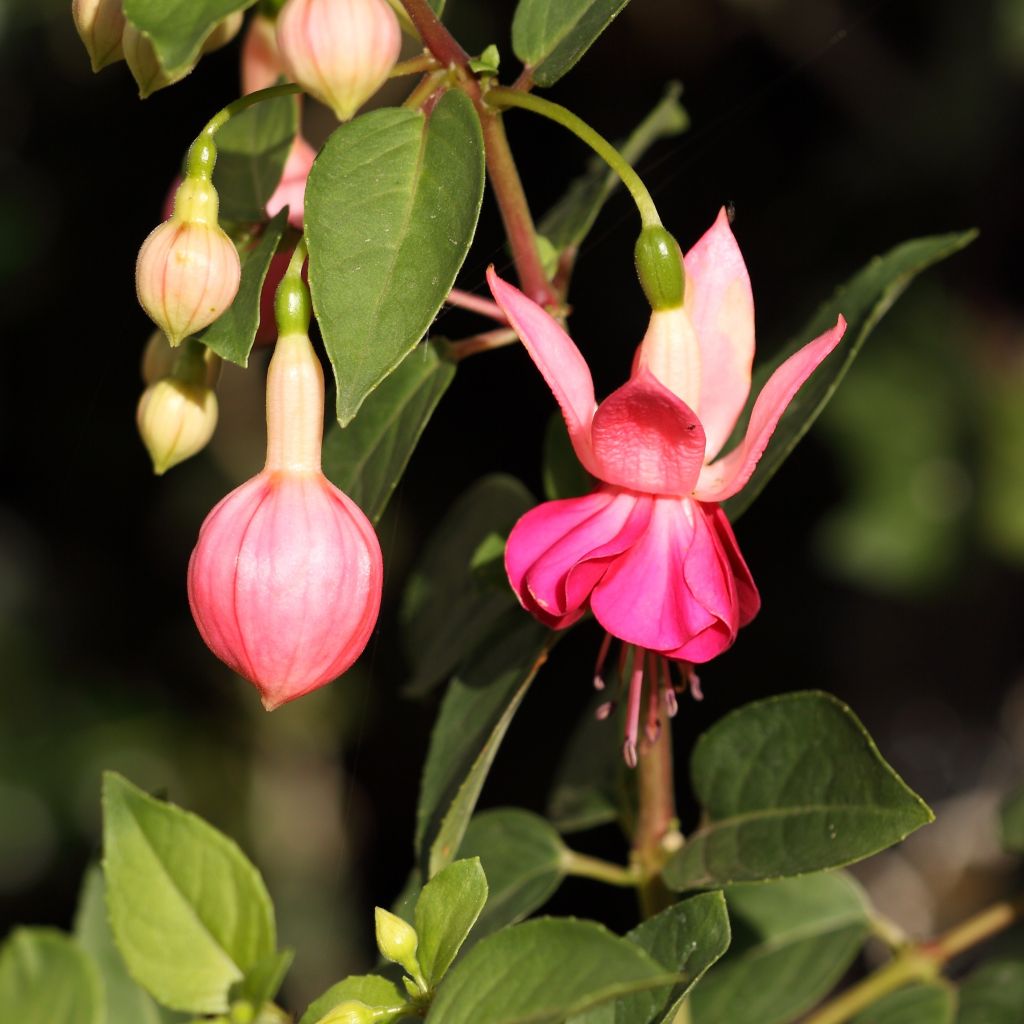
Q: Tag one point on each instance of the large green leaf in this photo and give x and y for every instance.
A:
(688, 938)
(569, 221)
(542, 972)
(391, 207)
(126, 1002)
(367, 458)
(189, 912)
(447, 609)
(523, 858)
(789, 785)
(371, 989)
(550, 36)
(993, 994)
(863, 300)
(177, 28)
(447, 908)
(232, 334)
(47, 978)
(475, 714)
(791, 942)
(252, 149)
(933, 1003)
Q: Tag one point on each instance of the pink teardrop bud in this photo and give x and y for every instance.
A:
(261, 61)
(100, 24)
(188, 270)
(285, 579)
(340, 51)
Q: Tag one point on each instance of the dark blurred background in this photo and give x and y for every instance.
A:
(888, 551)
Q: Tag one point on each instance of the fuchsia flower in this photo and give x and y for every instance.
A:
(649, 551)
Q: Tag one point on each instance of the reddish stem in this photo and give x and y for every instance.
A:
(476, 304)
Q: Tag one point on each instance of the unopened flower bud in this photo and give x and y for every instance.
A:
(176, 421)
(188, 269)
(100, 24)
(223, 32)
(340, 51)
(397, 940)
(143, 63)
(261, 61)
(285, 579)
(157, 358)
(352, 1011)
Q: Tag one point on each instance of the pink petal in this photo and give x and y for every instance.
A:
(643, 598)
(291, 190)
(557, 358)
(722, 479)
(746, 590)
(647, 439)
(549, 546)
(721, 308)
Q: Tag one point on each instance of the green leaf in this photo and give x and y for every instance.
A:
(177, 28)
(1011, 821)
(569, 221)
(46, 978)
(126, 1002)
(475, 714)
(447, 909)
(445, 610)
(791, 942)
(863, 300)
(252, 149)
(591, 784)
(391, 207)
(371, 989)
(542, 972)
(687, 938)
(915, 1004)
(232, 334)
(189, 912)
(993, 994)
(262, 982)
(789, 785)
(550, 36)
(367, 458)
(561, 471)
(523, 858)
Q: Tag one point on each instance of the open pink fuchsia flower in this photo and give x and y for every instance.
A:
(649, 551)
(285, 579)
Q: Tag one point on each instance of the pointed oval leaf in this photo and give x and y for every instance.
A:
(789, 785)
(863, 300)
(177, 28)
(47, 978)
(391, 207)
(542, 972)
(523, 858)
(550, 36)
(792, 941)
(447, 909)
(232, 334)
(478, 708)
(993, 994)
(189, 912)
(371, 989)
(367, 458)
(252, 149)
(125, 1000)
(933, 1003)
(447, 609)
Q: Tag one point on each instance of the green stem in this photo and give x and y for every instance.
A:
(425, 88)
(224, 115)
(580, 865)
(292, 306)
(503, 98)
(923, 962)
(413, 66)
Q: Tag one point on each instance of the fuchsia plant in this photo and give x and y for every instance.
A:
(285, 581)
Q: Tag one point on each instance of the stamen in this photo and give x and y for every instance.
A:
(694, 681)
(668, 690)
(636, 685)
(604, 710)
(602, 654)
(653, 726)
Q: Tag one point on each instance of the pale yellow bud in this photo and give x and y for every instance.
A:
(100, 24)
(176, 421)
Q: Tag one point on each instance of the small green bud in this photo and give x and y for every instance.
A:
(352, 1011)
(660, 267)
(397, 941)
